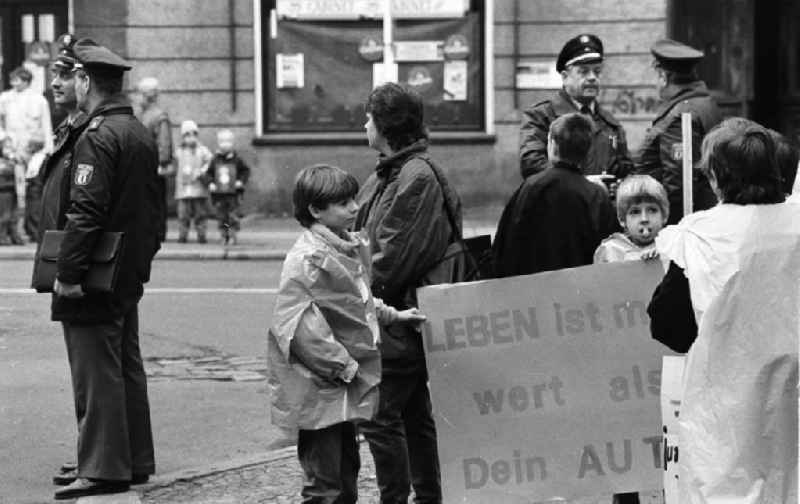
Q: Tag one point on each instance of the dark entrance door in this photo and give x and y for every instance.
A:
(28, 30)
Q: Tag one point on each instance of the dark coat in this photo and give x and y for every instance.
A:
(239, 167)
(672, 320)
(609, 152)
(403, 213)
(52, 175)
(661, 155)
(556, 219)
(109, 185)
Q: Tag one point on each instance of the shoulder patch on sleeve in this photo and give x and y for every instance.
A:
(96, 122)
(83, 174)
(677, 151)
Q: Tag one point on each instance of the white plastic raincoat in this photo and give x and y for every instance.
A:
(325, 318)
(738, 421)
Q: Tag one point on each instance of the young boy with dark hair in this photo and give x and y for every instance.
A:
(323, 357)
(642, 210)
(557, 218)
(228, 174)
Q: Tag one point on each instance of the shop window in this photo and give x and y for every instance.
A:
(318, 71)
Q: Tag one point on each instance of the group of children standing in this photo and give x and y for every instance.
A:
(203, 177)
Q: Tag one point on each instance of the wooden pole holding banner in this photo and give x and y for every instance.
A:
(688, 165)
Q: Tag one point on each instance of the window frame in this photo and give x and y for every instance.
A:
(264, 137)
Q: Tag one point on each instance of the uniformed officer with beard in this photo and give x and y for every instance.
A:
(108, 183)
(661, 155)
(580, 64)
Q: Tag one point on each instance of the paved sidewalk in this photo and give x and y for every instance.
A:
(266, 239)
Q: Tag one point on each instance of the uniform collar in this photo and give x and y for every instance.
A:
(675, 93)
(565, 104)
(116, 104)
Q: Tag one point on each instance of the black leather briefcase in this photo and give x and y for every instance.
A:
(102, 274)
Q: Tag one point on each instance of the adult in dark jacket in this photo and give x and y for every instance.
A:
(580, 64)
(403, 212)
(108, 183)
(661, 155)
(557, 218)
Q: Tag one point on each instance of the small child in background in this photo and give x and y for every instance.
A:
(192, 159)
(8, 195)
(228, 174)
(322, 352)
(642, 210)
(36, 155)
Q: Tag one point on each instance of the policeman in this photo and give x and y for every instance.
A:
(110, 184)
(580, 64)
(54, 167)
(156, 120)
(662, 151)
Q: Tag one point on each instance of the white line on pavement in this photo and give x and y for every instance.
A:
(176, 290)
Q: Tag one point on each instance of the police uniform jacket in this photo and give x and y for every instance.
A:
(109, 185)
(55, 192)
(609, 151)
(661, 155)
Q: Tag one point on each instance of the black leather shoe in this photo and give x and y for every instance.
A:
(65, 477)
(83, 487)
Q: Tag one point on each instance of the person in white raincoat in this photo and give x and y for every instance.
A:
(323, 358)
(735, 271)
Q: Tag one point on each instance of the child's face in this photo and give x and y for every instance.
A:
(642, 222)
(190, 139)
(225, 143)
(339, 216)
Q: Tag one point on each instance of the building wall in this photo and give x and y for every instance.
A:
(186, 45)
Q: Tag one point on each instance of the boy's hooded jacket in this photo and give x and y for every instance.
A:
(325, 317)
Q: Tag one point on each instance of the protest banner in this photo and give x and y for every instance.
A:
(546, 386)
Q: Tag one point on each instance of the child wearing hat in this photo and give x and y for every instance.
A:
(642, 210)
(228, 174)
(191, 192)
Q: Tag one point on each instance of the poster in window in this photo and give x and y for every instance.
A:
(455, 80)
(418, 50)
(289, 71)
(419, 79)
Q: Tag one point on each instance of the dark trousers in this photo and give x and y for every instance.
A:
(330, 461)
(626, 498)
(110, 391)
(162, 217)
(402, 439)
(227, 206)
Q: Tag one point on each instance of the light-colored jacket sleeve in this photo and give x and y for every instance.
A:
(386, 314)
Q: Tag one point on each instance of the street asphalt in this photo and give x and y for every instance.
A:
(211, 315)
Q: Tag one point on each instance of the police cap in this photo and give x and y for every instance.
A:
(674, 56)
(585, 48)
(92, 56)
(65, 60)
